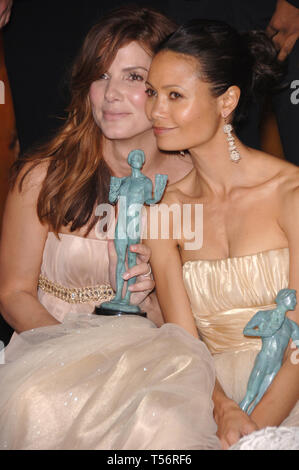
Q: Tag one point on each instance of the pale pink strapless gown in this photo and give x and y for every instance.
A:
(98, 382)
(73, 262)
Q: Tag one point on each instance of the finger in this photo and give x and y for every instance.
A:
(232, 437)
(248, 428)
(287, 47)
(224, 444)
(278, 41)
(8, 16)
(283, 53)
(138, 270)
(271, 31)
(2, 20)
(143, 252)
(223, 441)
(142, 286)
(4, 15)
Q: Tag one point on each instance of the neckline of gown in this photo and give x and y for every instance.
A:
(264, 252)
(260, 253)
(78, 236)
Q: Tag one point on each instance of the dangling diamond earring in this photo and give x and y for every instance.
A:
(234, 154)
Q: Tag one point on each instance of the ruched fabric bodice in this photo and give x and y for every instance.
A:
(226, 293)
(73, 261)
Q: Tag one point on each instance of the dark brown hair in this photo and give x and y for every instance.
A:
(227, 57)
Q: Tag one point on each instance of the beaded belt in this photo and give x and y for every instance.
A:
(75, 295)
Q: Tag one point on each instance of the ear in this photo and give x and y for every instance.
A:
(229, 100)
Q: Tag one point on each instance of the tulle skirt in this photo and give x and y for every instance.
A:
(96, 382)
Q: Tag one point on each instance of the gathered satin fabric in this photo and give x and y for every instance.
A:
(96, 382)
(224, 295)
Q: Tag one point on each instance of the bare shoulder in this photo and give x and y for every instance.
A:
(23, 196)
(31, 176)
(288, 181)
(281, 174)
(285, 178)
(290, 197)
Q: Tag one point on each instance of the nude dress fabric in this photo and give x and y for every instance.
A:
(224, 295)
(121, 383)
(73, 262)
(97, 382)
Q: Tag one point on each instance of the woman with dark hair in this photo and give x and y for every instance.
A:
(74, 380)
(199, 85)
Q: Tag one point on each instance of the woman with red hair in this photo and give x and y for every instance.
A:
(75, 380)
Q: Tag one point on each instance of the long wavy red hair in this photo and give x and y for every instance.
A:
(77, 176)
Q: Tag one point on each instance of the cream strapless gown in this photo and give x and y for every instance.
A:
(98, 382)
(224, 296)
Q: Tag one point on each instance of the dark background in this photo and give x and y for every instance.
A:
(43, 37)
